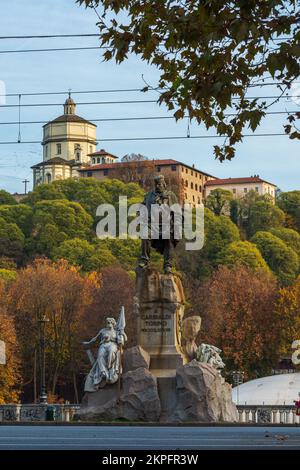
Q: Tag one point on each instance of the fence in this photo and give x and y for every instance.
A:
(279, 414)
(248, 414)
(27, 413)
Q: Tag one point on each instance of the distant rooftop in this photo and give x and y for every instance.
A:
(245, 180)
(156, 162)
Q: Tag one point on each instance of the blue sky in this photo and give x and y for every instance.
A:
(274, 158)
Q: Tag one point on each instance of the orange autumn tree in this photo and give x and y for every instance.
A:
(62, 294)
(238, 315)
(288, 309)
(10, 378)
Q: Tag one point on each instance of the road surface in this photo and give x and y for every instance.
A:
(146, 437)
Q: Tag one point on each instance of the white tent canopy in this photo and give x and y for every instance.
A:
(281, 389)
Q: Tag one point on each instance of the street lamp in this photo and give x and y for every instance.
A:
(43, 394)
(237, 379)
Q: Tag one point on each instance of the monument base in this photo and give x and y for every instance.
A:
(159, 308)
(195, 392)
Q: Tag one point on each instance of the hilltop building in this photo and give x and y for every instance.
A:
(67, 143)
(241, 186)
(70, 151)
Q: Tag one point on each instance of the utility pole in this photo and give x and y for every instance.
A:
(25, 182)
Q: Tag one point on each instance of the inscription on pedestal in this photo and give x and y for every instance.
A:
(160, 308)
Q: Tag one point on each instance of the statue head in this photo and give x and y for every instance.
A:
(110, 322)
(160, 184)
(191, 327)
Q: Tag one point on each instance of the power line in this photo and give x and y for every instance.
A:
(136, 118)
(118, 90)
(46, 36)
(157, 138)
(135, 101)
(54, 49)
(81, 35)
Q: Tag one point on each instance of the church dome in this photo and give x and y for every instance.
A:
(281, 389)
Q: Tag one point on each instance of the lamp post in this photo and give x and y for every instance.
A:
(237, 378)
(43, 394)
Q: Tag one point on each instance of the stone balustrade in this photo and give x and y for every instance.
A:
(37, 412)
(248, 414)
(277, 414)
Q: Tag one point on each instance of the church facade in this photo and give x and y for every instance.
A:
(68, 142)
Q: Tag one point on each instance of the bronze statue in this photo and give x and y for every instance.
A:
(161, 196)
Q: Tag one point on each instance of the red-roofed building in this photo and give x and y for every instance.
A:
(241, 186)
(186, 181)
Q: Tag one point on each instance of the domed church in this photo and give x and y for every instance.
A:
(68, 142)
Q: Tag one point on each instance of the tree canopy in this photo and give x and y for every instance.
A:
(242, 253)
(210, 54)
(282, 260)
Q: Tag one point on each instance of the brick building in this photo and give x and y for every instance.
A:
(186, 181)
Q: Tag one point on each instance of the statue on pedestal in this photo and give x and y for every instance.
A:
(161, 196)
(106, 368)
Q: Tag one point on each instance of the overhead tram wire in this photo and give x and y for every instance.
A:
(81, 35)
(88, 103)
(54, 49)
(135, 118)
(124, 139)
(117, 90)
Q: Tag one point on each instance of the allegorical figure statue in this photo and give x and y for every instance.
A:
(160, 196)
(106, 368)
(211, 355)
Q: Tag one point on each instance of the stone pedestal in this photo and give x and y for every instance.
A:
(159, 306)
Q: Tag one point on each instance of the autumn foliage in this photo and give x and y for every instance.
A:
(238, 315)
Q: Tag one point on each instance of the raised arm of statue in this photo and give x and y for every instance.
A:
(93, 340)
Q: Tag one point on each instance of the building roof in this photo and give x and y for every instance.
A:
(70, 118)
(248, 179)
(157, 162)
(101, 152)
(55, 161)
(281, 389)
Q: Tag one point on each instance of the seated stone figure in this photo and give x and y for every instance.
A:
(205, 352)
(107, 365)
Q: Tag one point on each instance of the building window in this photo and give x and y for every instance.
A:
(94, 161)
(98, 160)
(192, 185)
(196, 187)
(192, 172)
(193, 198)
(245, 190)
(105, 172)
(186, 170)
(256, 189)
(89, 174)
(234, 191)
(46, 151)
(48, 178)
(199, 200)
(173, 167)
(58, 149)
(158, 169)
(185, 196)
(186, 183)
(200, 188)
